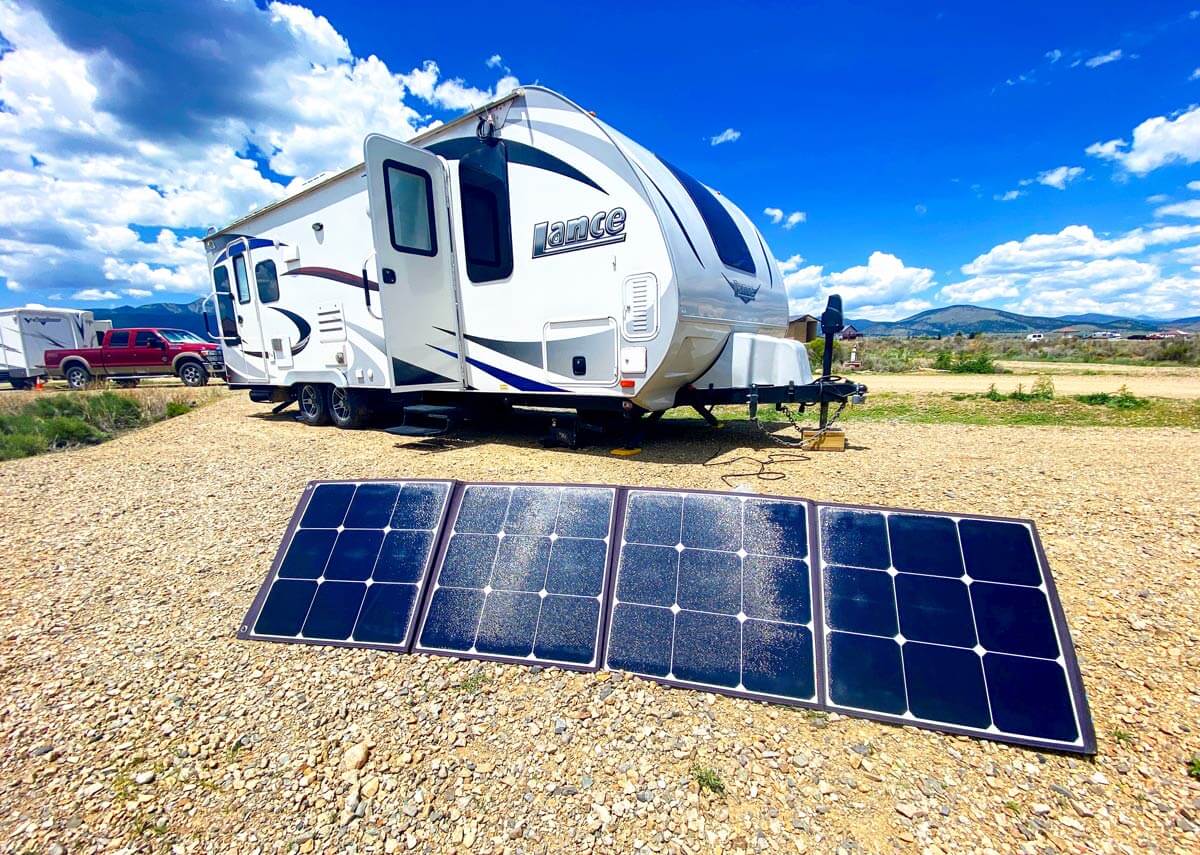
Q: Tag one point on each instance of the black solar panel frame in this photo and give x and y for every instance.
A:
(813, 592)
(1079, 699)
(245, 631)
(616, 519)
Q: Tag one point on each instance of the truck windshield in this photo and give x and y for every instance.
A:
(178, 336)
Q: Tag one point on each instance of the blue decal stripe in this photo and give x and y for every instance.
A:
(239, 247)
(523, 384)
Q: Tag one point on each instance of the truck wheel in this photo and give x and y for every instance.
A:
(348, 407)
(127, 384)
(78, 377)
(192, 373)
(314, 410)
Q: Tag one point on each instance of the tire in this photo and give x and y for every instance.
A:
(348, 407)
(313, 403)
(21, 384)
(192, 373)
(77, 376)
(127, 384)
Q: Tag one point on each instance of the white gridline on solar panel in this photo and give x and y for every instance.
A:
(979, 650)
(610, 492)
(368, 582)
(741, 615)
(385, 528)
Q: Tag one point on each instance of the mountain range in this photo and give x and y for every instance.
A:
(934, 322)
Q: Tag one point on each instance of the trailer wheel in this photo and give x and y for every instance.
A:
(21, 383)
(192, 373)
(78, 377)
(348, 407)
(314, 410)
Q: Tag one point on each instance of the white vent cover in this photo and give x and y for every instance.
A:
(640, 314)
(331, 323)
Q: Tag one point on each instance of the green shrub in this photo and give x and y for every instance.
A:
(15, 445)
(61, 431)
(177, 408)
(1122, 399)
(110, 411)
(816, 353)
(965, 362)
(57, 405)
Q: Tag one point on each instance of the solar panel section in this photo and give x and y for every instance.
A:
(350, 570)
(947, 622)
(713, 591)
(522, 576)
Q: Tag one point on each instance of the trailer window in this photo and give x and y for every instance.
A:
(410, 208)
(268, 282)
(726, 236)
(221, 280)
(119, 338)
(487, 227)
(239, 276)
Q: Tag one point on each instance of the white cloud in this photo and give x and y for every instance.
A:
(776, 214)
(13, 285)
(1156, 142)
(920, 210)
(1054, 55)
(1157, 198)
(1072, 243)
(794, 219)
(1190, 208)
(94, 294)
(1195, 75)
(1103, 59)
(789, 221)
(793, 263)
(1008, 196)
(136, 292)
(495, 61)
(884, 288)
(1194, 186)
(1060, 176)
(103, 130)
(727, 135)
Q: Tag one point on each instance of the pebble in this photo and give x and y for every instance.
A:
(146, 776)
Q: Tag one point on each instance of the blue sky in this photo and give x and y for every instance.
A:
(1031, 158)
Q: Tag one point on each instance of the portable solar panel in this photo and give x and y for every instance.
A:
(947, 622)
(713, 591)
(521, 576)
(351, 568)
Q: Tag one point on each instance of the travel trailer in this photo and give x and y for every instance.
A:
(526, 251)
(27, 333)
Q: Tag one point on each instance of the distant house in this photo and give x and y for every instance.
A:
(849, 333)
(1071, 332)
(803, 328)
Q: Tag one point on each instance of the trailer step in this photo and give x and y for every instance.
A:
(427, 420)
(417, 430)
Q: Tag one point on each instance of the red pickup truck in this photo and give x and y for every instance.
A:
(127, 356)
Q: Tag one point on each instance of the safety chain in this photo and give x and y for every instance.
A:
(804, 444)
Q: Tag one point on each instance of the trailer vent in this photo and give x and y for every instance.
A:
(331, 322)
(640, 319)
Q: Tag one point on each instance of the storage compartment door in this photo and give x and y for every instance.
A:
(582, 352)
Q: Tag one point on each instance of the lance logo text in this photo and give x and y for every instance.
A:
(580, 233)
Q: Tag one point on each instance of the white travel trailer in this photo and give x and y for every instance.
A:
(525, 251)
(27, 333)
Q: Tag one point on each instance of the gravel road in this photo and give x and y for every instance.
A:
(133, 721)
(1156, 383)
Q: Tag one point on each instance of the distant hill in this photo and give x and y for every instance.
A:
(979, 320)
(185, 316)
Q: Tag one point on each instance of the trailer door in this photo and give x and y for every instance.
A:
(414, 264)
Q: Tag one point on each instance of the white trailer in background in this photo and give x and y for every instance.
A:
(525, 252)
(27, 333)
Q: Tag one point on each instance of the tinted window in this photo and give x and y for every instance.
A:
(226, 313)
(145, 338)
(180, 336)
(725, 234)
(239, 276)
(221, 279)
(268, 282)
(410, 208)
(487, 229)
(119, 339)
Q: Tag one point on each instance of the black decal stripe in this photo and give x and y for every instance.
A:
(517, 152)
(671, 208)
(529, 352)
(302, 326)
(407, 374)
(766, 258)
(334, 275)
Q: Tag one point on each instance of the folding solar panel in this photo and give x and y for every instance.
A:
(521, 575)
(351, 568)
(713, 591)
(947, 622)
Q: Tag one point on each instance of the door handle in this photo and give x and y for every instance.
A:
(389, 276)
(240, 321)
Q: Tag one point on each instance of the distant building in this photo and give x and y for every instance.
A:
(803, 328)
(849, 333)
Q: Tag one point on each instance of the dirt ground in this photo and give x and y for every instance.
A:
(132, 720)
(1142, 381)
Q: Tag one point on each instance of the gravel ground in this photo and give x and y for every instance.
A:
(132, 719)
(1157, 383)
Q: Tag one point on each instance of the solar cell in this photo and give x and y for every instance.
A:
(946, 622)
(522, 576)
(351, 567)
(714, 591)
